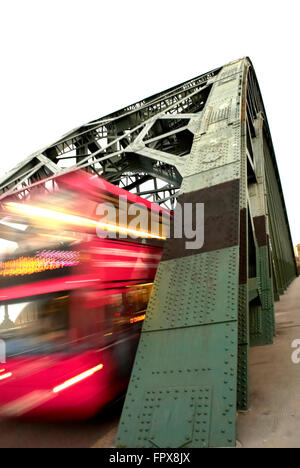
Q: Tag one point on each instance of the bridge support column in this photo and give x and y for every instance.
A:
(183, 389)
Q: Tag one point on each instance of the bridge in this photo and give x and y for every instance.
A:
(205, 141)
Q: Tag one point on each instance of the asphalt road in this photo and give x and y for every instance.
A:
(95, 433)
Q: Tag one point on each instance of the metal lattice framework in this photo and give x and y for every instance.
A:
(146, 142)
(206, 140)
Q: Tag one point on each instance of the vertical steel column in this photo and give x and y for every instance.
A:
(183, 389)
(262, 318)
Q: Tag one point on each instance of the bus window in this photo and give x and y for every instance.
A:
(37, 327)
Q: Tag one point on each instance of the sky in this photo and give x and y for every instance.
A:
(64, 63)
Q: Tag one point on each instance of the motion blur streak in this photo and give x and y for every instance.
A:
(5, 376)
(73, 302)
(22, 405)
(77, 379)
(66, 218)
(138, 319)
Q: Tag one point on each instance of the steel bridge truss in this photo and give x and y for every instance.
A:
(204, 141)
(143, 148)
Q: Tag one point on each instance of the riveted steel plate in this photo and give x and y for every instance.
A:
(261, 324)
(211, 177)
(264, 270)
(243, 314)
(223, 106)
(195, 124)
(257, 199)
(167, 409)
(267, 318)
(230, 89)
(255, 319)
(243, 270)
(243, 350)
(228, 71)
(228, 80)
(211, 153)
(203, 357)
(243, 177)
(220, 112)
(227, 88)
(243, 378)
(221, 220)
(198, 289)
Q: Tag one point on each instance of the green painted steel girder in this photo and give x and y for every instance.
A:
(192, 366)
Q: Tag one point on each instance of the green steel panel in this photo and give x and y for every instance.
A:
(261, 325)
(262, 317)
(256, 324)
(243, 350)
(243, 317)
(189, 340)
(210, 154)
(243, 378)
(253, 288)
(167, 409)
(211, 177)
(184, 293)
(198, 363)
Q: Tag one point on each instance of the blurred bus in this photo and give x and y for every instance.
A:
(74, 296)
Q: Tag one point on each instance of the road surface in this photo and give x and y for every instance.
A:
(98, 432)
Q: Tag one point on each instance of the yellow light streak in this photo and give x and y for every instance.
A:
(60, 238)
(26, 266)
(135, 286)
(30, 265)
(77, 379)
(5, 376)
(140, 318)
(57, 216)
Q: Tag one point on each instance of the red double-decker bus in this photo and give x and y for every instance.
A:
(74, 295)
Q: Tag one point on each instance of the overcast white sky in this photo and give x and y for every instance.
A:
(66, 62)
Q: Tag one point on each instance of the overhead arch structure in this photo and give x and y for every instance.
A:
(204, 141)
